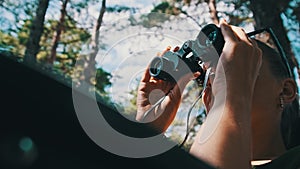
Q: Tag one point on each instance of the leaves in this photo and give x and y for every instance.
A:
(119, 8)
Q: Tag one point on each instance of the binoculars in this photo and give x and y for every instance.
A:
(190, 57)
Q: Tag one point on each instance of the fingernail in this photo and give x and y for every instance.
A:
(224, 25)
(222, 21)
(176, 49)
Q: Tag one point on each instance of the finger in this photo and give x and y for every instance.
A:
(179, 86)
(146, 76)
(176, 49)
(240, 32)
(167, 86)
(254, 43)
(196, 74)
(257, 48)
(228, 33)
(166, 50)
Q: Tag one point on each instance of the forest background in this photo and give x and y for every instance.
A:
(108, 43)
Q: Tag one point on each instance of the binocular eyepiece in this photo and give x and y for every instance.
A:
(206, 48)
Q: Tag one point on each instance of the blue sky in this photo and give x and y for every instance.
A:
(131, 3)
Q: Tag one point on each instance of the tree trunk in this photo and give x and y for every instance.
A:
(267, 14)
(36, 31)
(90, 67)
(96, 33)
(57, 34)
(213, 11)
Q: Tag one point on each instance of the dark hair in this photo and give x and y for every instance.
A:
(290, 120)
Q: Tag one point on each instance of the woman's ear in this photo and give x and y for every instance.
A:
(289, 90)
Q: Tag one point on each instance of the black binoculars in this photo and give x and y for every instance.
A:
(192, 55)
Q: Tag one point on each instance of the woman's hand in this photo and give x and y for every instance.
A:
(151, 90)
(239, 63)
(226, 133)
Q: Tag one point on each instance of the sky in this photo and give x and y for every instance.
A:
(132, 3)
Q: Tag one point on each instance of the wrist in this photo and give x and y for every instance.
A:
(236, 102)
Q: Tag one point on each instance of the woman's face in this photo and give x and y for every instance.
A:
(266, 98)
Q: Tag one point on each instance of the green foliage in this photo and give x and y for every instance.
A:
(293, 11)
(131, 108)
(159, 14)
(153, 19)
(29, 8)
(239, 14)
(69, 49)
(15, 43)
(70, 45)
(296, 11)
(23, 33)
(167, 8)
(102, 80)
(162, 7)
(119, 8)
(8, 42)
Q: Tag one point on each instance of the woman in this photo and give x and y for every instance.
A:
(245, 102)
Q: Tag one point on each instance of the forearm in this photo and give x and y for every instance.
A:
(164, 113)
(225, 138)
(161, 116)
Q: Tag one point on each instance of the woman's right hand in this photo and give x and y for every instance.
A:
(151, 90)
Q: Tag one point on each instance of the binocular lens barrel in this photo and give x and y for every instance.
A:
(170, 66)
(161, 68)
(156, 66)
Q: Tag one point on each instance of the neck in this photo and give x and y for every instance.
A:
(268, 145)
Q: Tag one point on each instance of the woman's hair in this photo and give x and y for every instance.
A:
(290, 120)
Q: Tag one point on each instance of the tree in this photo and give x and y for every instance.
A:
(102, 80)
(59, 29)
(213, 11)
(16, 14)
(175, 7)
(69, 48)
(96, 31)
(90, 65)
(267, 15)
(46, 41)
(36, 30)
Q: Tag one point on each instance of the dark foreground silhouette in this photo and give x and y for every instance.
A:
(39, 128)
